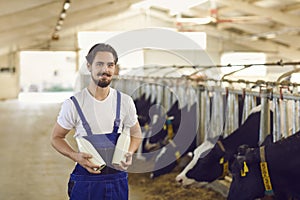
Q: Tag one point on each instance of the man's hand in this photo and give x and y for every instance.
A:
(128, 161)
(83, 160)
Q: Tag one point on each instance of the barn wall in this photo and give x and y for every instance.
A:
(9, 76)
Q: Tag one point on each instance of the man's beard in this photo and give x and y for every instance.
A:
(101, 83)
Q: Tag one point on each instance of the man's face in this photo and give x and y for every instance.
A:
(102, 68)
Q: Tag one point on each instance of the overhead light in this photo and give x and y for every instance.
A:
(63, 15)
(204, 20)
(174, 13)
(60, 21)
(57, 27)
(67, 4)
(254, 37)
(141, 5)
(176, 6)
(55, 36)
(270, 35)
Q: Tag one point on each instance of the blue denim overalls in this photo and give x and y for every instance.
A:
(111, 184)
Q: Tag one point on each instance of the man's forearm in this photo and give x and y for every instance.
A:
(135, 137)
(134, 144)
(58, 141)
(63, 147)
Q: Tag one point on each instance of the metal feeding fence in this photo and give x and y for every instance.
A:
(222, 105)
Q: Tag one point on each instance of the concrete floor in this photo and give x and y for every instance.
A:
(30, 168)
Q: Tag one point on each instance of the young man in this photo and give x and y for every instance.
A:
(99, 115)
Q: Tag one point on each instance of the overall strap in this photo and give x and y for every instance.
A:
(85, 124)
(117, 120)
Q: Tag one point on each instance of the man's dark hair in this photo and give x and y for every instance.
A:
(101, 47)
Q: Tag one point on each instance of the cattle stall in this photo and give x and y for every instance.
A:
(216, 107)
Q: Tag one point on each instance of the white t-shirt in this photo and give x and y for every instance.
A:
(99, 114)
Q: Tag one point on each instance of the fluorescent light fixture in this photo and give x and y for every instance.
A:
(204, 20)
(244, 58)
(176, 6)
(254, 37)
(270, 35)
(141, 5)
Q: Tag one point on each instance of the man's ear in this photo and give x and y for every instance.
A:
(88, 65)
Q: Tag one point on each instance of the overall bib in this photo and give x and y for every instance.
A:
(111, 184)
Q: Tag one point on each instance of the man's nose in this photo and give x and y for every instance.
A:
(104, 67)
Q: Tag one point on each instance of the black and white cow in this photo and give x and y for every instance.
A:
(159, 132)
(207, 145)
(143, 105)
(184, 141)
(283, 163)
(198, 153)
(212, 166)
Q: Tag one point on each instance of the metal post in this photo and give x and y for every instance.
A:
(264, 115)
(246, 107)
(285, 118)
(207, 114)
(216, 122)
(236, 112)
(229, 115)
(295, 112)
(276, 120)
(201, 115)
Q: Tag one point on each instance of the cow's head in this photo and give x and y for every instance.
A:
(198, 153)
(210, 167)
(246, 176)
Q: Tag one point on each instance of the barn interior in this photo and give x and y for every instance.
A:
(214, 59)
